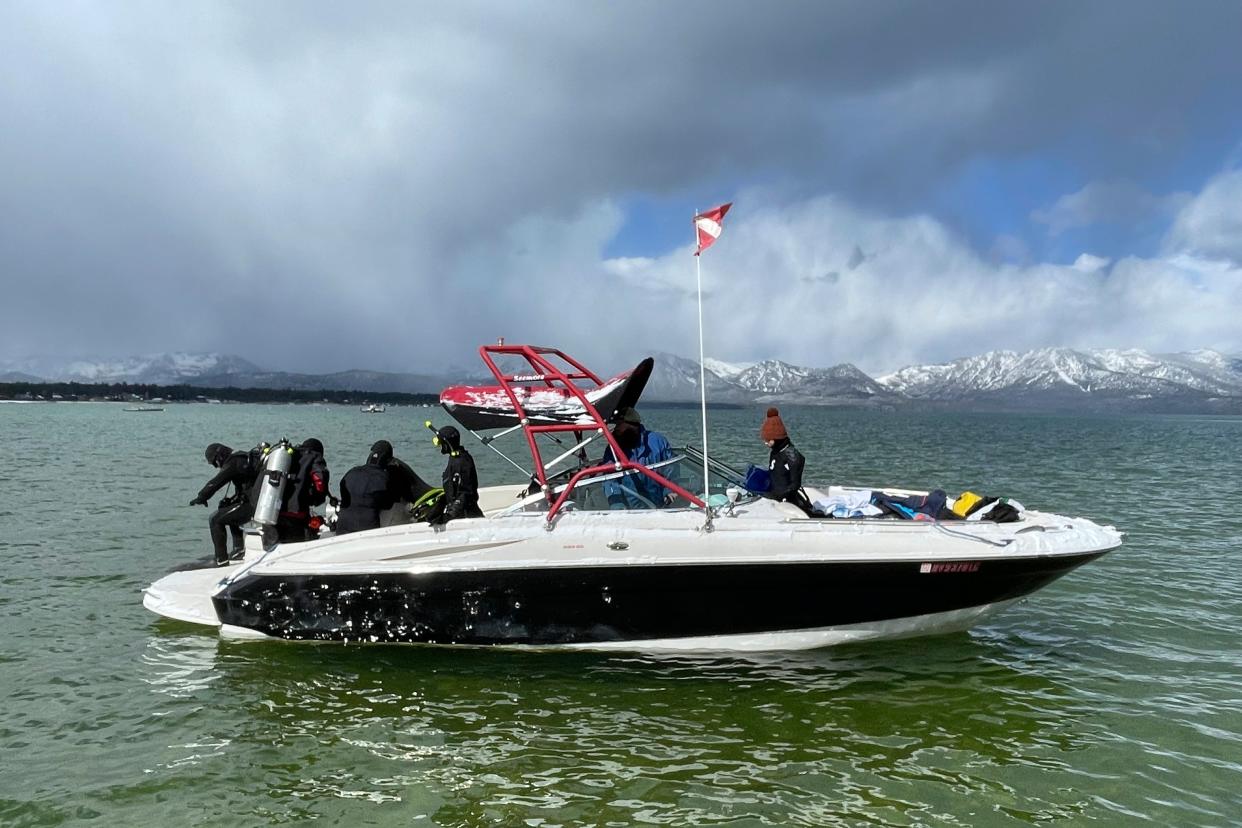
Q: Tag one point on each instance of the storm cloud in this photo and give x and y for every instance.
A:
(316, 187)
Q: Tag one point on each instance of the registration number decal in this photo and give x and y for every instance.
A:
(949, 566)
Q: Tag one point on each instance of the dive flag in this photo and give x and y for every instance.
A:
(708, 225)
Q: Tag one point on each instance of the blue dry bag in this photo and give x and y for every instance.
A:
(758, 480)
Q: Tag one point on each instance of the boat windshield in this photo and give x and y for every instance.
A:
(631, 490)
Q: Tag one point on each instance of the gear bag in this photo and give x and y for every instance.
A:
(965, 503)
(758, 480)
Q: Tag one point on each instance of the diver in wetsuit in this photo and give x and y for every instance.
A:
(309, 487)
(239, 469)
(407, 486)
(370, 491)
(366, 491)
(460, 480)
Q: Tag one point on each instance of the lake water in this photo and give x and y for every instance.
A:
(1113, 697)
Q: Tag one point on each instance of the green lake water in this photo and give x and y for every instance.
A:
(1113, 697)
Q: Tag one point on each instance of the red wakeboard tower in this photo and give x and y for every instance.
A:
(556, 395)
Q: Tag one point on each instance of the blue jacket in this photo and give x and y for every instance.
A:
(653, 447)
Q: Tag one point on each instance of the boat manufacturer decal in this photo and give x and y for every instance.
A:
(948, 566)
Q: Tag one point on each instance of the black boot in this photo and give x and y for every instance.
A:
(218, 539)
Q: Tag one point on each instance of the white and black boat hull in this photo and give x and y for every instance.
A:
(631, 605)
(765, 578)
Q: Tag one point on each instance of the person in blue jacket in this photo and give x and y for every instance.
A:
(646, 447)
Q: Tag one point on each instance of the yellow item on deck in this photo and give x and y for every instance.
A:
(962, 505)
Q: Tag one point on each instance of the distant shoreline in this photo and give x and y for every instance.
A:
(142, 393)
(132, 393)
(146, 394)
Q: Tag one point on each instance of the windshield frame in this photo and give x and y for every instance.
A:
(723, 475)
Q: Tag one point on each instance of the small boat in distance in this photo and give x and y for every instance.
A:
(373, 408)
(142, 409)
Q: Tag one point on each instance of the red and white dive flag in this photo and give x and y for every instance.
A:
(708, 225)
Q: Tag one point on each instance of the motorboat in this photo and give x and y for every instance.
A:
(578, 557)
(372, 408)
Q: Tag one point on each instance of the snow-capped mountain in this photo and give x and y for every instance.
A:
(213, 370)
(18, 376)
(1059, 375)
(355, 380)
(676, 379)
(776, 381)
(841, 384)
(725, 370)
(772, 377)
(155, 369)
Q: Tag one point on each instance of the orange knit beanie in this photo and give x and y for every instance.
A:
(773, 427)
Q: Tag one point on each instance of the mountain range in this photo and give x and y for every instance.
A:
(210, 371)
(1063, 378)
(1048, 379)
(153, 369)
(676, 379)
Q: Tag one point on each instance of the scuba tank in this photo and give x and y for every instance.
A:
(273, 477)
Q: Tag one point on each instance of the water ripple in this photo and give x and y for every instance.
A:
(1110, 698)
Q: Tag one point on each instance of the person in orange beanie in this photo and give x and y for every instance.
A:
(785, 463)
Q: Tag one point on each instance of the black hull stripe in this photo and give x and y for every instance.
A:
(634, 603)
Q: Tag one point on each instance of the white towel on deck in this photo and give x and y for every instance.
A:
(841, 502)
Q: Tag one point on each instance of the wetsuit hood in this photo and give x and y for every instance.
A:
(312, 444)
(381, 453)
(217, 453)
(450, 439)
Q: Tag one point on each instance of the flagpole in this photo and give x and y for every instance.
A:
(707, 489)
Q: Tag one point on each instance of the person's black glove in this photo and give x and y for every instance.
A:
(198, 501)
(454, 510)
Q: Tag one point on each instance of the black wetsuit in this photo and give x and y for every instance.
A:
(365, 492)
(461, 487)
(234, 510)
(309, 487)
(406, 485)
(785, 464)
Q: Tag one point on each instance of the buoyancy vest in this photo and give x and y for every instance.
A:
(309, 483)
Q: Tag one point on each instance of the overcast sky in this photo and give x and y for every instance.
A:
(320, 186)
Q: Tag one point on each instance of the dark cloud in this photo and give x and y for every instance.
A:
(388, 185)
